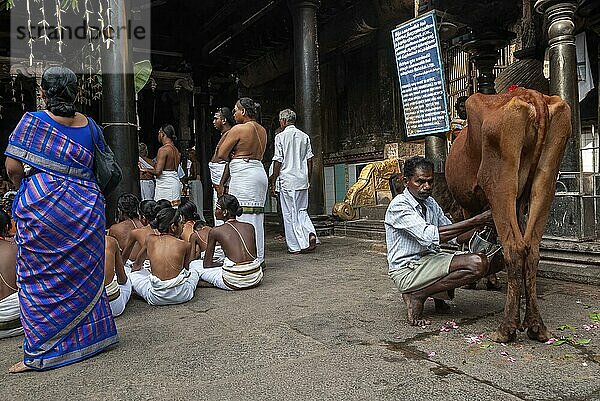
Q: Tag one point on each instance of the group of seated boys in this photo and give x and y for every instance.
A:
(156, 251)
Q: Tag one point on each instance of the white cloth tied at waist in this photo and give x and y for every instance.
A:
(144, 164)
(9, 311)
(129, 264)
(167, 186)
(112, 288)
(160, 285)
(9, 308)
(248, 182)
(242, 275)
(218, 255)
(216, 171)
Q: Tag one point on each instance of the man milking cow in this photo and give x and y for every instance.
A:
(415, 226)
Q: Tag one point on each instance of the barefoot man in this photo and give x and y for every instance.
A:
(292, 164)
(244, 146)
(415, 225)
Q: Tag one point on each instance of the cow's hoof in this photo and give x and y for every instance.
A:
(538, 332)
(503, 336)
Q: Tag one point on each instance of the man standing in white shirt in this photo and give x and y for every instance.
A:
(292, 164)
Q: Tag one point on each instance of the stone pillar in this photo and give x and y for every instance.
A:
(436, 147)
(118, 109)
(308, 91)
(203, 133)
(436, 150)
(563, 69)
(484, 52)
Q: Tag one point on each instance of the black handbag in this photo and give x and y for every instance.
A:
(107, 171)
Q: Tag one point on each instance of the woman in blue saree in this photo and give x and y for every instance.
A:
(59, 214)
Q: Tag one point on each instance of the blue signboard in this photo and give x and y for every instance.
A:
(422, 85)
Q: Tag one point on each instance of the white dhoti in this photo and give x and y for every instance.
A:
(118, 295)
(216, 173)
(298, 227)
(129, 263)
(155, 291)
(231, 276)
(10, 321)
(168, 187)
(248, 183)
(146, 186)
(218, 255)
(147, 189)
(198, 266)
(197, 196)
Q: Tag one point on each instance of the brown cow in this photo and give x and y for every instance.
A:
(508, 158)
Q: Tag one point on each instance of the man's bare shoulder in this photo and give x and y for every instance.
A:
(164, 151)
(238, 130)
(111, 242)
(120, 227)
(242, 224)
(151, 240)
(217, 230)
(141, 232)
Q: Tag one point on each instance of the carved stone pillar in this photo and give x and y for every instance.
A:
(308, 91)
(563, 69)
(118, 110)
(484, 52)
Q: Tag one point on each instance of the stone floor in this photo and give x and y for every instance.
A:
(328, 326)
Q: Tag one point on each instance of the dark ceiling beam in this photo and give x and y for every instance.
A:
(219, 16)
(222, 40)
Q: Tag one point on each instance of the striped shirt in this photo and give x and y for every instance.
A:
(408, 233)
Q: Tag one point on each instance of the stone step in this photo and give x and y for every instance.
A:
(323, 225)
(376, 213)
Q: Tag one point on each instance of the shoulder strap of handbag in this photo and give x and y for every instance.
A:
(95, 132)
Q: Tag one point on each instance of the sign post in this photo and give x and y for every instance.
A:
(421, 76)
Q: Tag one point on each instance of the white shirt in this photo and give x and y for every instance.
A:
(293, 150)
(410, 235)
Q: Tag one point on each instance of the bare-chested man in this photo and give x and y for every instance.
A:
(199, 239)
(10, 323)
(241, 269)
(168, 185)
(244, 147)
(128, 218)
(169, 282)
(137, 237)
(189, 213)
(117, 285)
(223, 121)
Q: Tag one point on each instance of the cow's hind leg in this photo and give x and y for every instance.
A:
(514, 249)
(507, 331)
(499, 177)
(536, 330)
